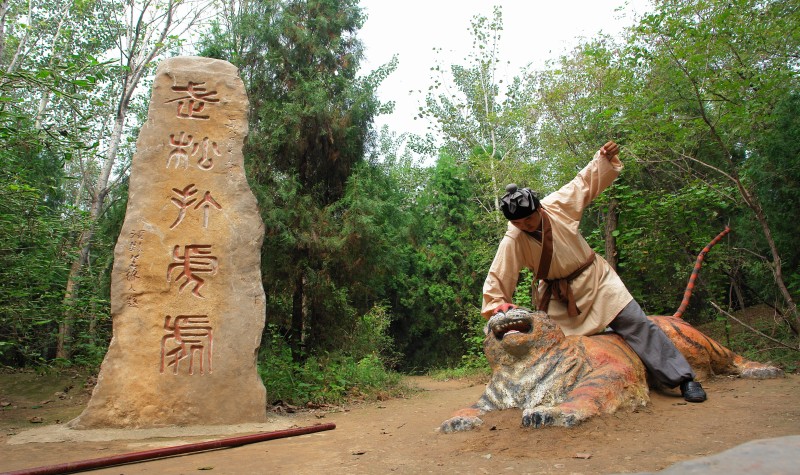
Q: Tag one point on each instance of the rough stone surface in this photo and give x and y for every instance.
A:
(778, 456)
(186, 297)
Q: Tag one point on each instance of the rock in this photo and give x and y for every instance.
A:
(780, 455)
(187, 301)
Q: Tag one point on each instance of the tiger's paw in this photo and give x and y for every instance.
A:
(550, 416)
(460, 424)
(537, 418)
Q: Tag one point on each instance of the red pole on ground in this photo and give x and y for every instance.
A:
(168, 451)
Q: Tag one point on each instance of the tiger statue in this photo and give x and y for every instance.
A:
(562, 380)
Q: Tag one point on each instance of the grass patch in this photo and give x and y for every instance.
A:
(331, 379)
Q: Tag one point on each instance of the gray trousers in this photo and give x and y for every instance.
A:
(664, 362)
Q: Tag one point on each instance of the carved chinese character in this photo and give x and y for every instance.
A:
(205, 161)
(187, 336)
(136, 238)
(207, 202)
(132, 273)
(132, 301)
(134, 248)
(195, 259)
(184, 200)
(194, 101)
(180, 152)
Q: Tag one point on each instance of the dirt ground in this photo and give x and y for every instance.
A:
(399, 435)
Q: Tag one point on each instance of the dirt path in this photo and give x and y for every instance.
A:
(399, 436)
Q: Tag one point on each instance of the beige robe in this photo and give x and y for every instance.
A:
(598, 290)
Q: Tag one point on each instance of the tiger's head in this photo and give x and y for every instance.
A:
(518, 334)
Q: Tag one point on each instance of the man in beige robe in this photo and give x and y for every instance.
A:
(578, 289)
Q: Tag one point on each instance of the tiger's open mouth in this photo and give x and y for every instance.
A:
(510, 325)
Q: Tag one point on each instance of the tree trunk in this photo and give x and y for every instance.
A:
(752, 202)
(736, 290)
(85, 238)
(45, 100)
(12, 66)
(612, 218)
(296, 331)
(3, 15)
(142, 48)
(777, 263)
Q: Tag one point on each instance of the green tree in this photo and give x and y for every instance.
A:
(710, 74)
(142, 30)
(311, 117)
(483, 119)
(46, 88)
(65, 122)
(580, 98)
(581, 101)
(33, 233)
(774, 170)
(659, 236)
(438, 286)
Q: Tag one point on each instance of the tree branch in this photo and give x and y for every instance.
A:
(757, 332)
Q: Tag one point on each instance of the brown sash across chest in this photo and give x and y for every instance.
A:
(558, 289)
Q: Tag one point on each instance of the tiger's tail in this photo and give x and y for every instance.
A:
(697, 264)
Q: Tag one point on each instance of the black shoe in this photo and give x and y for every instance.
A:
(692, 391)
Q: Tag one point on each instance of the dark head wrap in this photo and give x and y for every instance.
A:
(518, 204)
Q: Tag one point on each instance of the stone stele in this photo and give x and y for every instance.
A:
(187, 300)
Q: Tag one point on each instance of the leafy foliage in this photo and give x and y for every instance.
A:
(482, 120)
(659, 238)
(374, 259)
(774, 170)
(38, 216)
(438, 287)
(31, 260)
(324, 379)
(712, 73)
(582, 103)
(329, 214)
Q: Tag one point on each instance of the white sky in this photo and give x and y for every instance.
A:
(533, 32)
